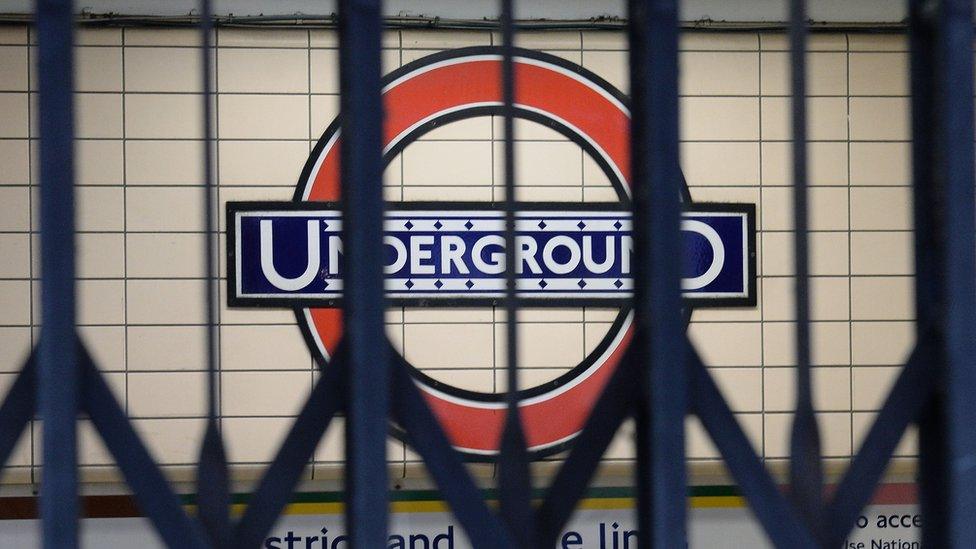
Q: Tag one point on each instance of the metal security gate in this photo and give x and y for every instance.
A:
(660, 380)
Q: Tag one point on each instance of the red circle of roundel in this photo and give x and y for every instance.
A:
(444, 85)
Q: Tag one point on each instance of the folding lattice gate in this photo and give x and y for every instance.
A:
(660, 380)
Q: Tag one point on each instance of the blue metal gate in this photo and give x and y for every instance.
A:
(661, 379)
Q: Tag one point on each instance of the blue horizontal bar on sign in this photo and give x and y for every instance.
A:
(291, 254)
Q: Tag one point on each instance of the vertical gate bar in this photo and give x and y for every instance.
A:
(660, 341)
(806, 477)
(58, 375)
(929, 259)
(361, 165)
(956, 90)
(922, 78)
(212, 479)
(513, 467)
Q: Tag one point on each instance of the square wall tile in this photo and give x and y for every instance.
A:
(170, 348)
(609, 65)
(91, 449)
(13, 34)
(829, 298)
(164, 162)
(264, 70)
(827, 208)
(727, 344)
(99, 209)
(170, 116)
(830, 343)
(447, 164)
(16, 297)
(149, 69)
(15, 346)
(719, 118)
(722, 163)
(719, 73)
(558, 163)
(13, 114)
(165, 301)
(882, 298)
(15, 159)
(449, 345)
(879, 74)
(97, 115)
(100, 302)
(888, 208)
(324, 66)
(907, 447)
(13, 68)
(263, 117)
(165, 255)
(254, 439)
(881, 343)
(543, 344)
(741, 387)
(881, 163)
(263, 348)
(107, 347)
(164, 209)
(261, 162)
(264, 393)
(880, 119)
(698, 444)
(829, 254)
(98, 69)
(332, 447)
(15, 249)
(831, 389)
(835, 433)
(827, 163)
(882, 253)
(827, 118)
(99, 255)
(872, 385)
(172, 441)
(99, 162)
(826, 73)
(14, 208)
(324, 110)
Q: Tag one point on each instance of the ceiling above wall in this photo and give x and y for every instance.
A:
(769, 11)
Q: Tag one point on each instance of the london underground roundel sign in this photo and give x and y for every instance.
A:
(451, 254)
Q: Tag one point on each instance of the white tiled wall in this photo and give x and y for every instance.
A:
(140, 223)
